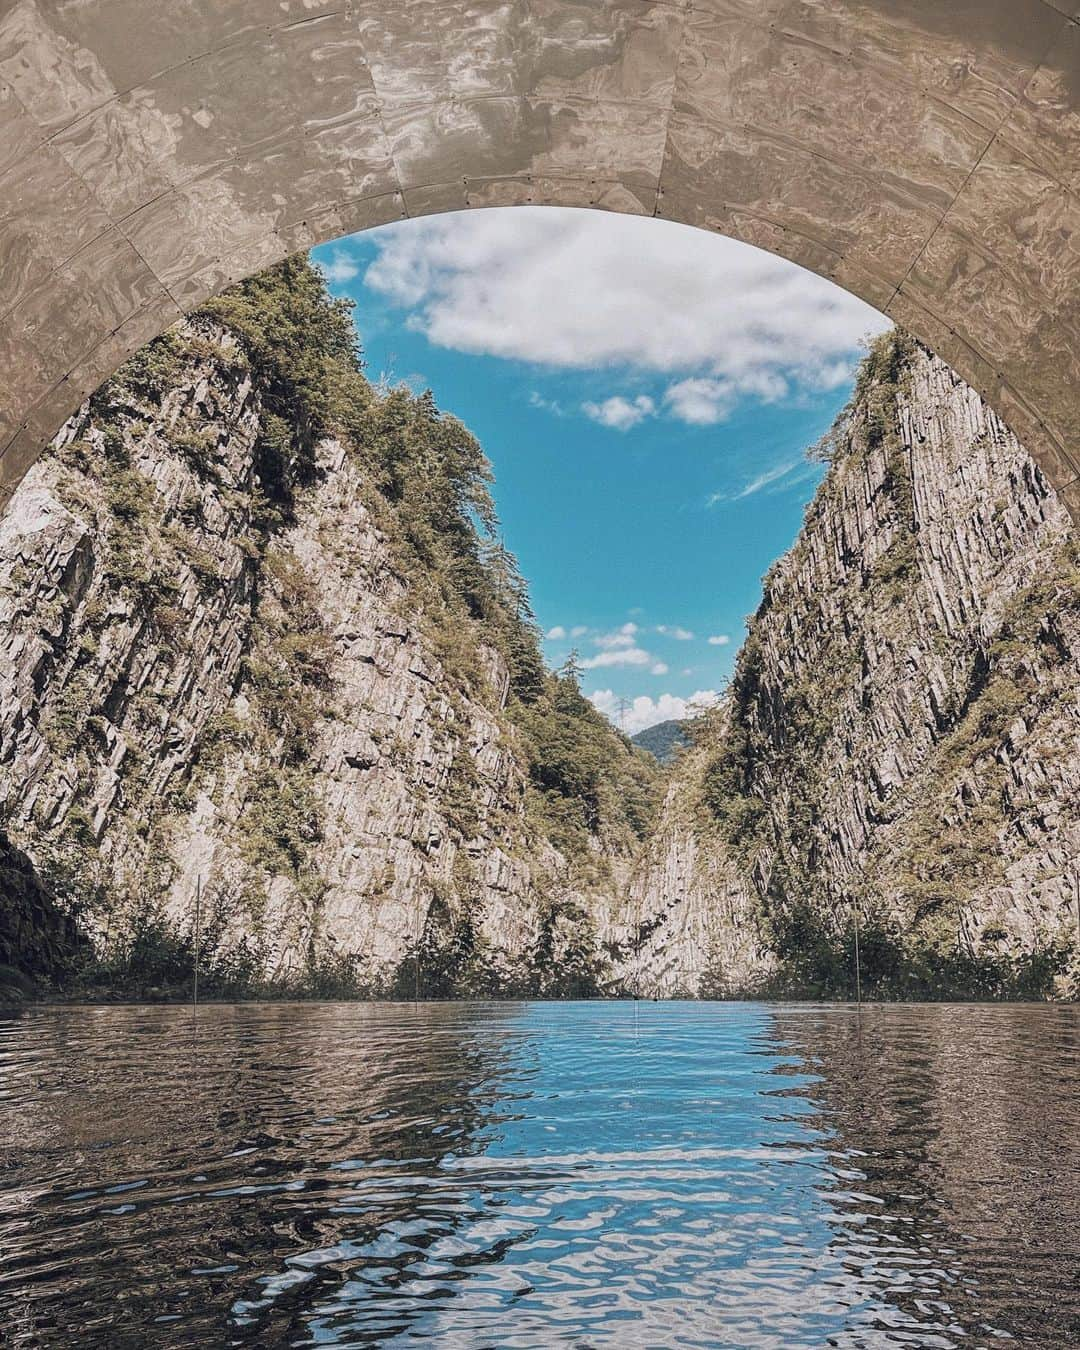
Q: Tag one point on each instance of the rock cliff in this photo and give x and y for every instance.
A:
(900, 748)
(269, 684)
(233, 684)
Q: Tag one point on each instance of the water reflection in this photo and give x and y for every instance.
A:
(163, 1168)
(530, 1175)
(956, 1140)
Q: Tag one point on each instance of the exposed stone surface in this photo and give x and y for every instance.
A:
(904, 726)
(686, 902)
(70, 636)
(142, 626)
(910, 700)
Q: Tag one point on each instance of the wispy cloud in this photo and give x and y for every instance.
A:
(674, 631)
(551, 405)
(341, 268)
(617, 656)
(560, 632)
(719, 640)
(618, 648)
(779, 478)
(621, 637)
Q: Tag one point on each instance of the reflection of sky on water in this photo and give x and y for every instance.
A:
(531, 1175)
(651, 1185)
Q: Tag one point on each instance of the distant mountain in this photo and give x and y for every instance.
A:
(663, 739)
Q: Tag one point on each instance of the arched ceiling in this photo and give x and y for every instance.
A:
(924, 154)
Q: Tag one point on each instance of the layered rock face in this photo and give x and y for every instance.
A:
(901, 743)
(126, 601)
(240, 687)
(211, 698)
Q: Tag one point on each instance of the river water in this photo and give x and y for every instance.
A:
(587, 1174)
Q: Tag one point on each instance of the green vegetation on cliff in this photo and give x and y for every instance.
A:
(426, 485)
(434, 483)
(788, 737)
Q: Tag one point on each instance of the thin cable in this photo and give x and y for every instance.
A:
(198, 939)
(416, 962)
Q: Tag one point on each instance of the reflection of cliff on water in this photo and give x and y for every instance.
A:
(599, 1174)
(956, 1136)
(187, 1163)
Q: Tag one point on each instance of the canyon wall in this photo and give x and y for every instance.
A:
(900, 748)
(229, 682)
(269, 682)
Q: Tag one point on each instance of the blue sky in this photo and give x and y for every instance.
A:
(645, 392)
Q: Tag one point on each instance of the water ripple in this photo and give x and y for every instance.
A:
(531, 1175)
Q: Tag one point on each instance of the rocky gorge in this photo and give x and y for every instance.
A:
(266, 673)
(898, 757)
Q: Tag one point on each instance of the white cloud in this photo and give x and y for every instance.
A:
(646, 712)
(340, 268)
(779, 477)
(551, 405)
(578, 630)
(617, 656)
(679, 634)
(622, 637)
(556, 634)
(620, 648)
(586, 289)
(701, 402)
(620, 414)
(719, 640)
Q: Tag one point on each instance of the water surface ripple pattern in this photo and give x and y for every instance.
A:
(590, 1174)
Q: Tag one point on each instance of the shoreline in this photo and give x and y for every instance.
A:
(745, 999)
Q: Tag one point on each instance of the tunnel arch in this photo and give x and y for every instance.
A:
(924, 156)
